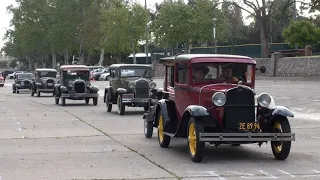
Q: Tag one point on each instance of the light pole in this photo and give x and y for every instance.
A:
(214, 34)
(147, 58)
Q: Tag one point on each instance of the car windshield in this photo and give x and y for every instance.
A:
(47, 74)
(225, 72)
(135, 72)
(73, 75)
(25, 76)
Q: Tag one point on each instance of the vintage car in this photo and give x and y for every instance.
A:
(74, 84)
(22, 82)
(211, 98)
(44, 81)
(130, 85)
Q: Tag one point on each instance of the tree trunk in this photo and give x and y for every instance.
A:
(265, 49)
(54, 58)
(119, 59)
(101, 57)
(66, 56)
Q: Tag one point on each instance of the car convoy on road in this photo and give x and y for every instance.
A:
(221, 105)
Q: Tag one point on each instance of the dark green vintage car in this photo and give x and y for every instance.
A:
(22, 82)
(130, 85)
(44, 81)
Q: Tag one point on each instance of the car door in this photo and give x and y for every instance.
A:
(182, 87)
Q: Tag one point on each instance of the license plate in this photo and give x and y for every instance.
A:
(50, 84)
(249, 126)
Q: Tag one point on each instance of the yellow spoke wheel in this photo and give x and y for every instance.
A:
(281, 149)
(164, 140)
(196, 147)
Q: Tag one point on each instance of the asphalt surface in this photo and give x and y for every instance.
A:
(42, 140)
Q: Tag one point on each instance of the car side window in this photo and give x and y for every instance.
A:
(182, 73)
(170, 75)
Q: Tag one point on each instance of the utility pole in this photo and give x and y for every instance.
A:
(147, 33)
(214, 34)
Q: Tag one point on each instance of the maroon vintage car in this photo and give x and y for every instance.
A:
(211, 98)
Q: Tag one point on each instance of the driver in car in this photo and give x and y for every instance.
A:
(200, 73)
(227, 74)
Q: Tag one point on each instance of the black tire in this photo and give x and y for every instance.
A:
(63, 101)
(38, 93)
(195, 147)
(32, 92)
(17, 91)
(283, 152)
(164, 140)
(121, 106)
(109, 106)
(95, 101)
(148, 128)
(56, 99)
(87, 100)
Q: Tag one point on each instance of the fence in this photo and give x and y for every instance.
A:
(251, 50)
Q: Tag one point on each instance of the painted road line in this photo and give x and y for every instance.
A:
(286, 173)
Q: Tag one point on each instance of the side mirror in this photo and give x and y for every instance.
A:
(262, 69)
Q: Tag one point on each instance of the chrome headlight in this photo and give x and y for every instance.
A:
(95, 88)
(153, 85)
(219, 99)
(63, 88)
(132, 84)
(264, 100)
(70, 84)
(88, 84)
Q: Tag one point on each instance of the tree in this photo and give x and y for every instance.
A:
(302, 32)
(262, 14)
(13, 63)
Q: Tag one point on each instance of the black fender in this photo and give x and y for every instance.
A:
(167, 108)
(201, 114)
(121, 91)
(278, 112)
(56, 89)
(108, 91)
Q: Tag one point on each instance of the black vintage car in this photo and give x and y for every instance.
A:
(44, 81)
(22, 82)
(130, 85)
(74, 84)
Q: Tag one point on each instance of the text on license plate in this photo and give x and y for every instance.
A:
(50, 84)
(249, 126)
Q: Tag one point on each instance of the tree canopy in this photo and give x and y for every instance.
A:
(59, 29)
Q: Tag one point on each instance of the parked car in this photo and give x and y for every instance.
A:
(74, 84)
(105, 76)
(211, 98)
(44, 81)
(22, 82)
(12, 75)
(129, 89)
(96, 75)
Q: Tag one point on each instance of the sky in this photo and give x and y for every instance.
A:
(5, 17)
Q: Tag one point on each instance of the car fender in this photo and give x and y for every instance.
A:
(162, 106)
(196, 110)
(121, 91)
(277, 112)
(110, 94)
(282, 111)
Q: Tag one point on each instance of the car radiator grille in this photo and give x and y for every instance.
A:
(142, 89)
(51, 82)
(239, 108)
(79, 87)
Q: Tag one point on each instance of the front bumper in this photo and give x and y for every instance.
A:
(246, 137)
(45, 90)
(80, 95)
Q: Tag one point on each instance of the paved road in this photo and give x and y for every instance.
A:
(41, 140)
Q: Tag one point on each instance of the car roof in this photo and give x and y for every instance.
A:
(23, 73)
(75, 67)
(46, 69)
(129, 65)
(188, 57)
